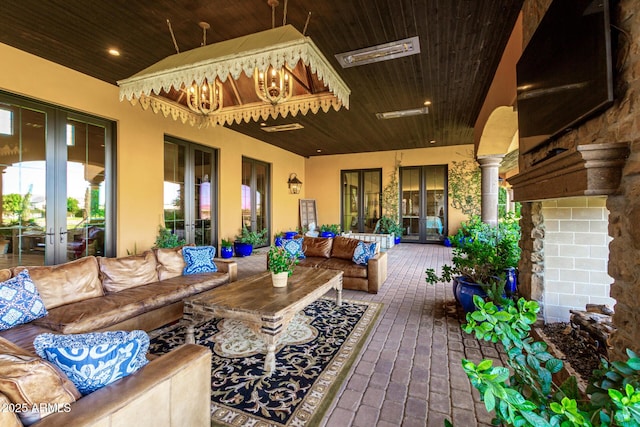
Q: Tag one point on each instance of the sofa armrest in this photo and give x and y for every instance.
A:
(377, 272)
(227, 266)
(172, 390)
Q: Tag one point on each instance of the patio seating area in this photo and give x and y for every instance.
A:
(409, 373)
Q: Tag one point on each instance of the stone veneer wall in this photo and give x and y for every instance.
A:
(575, 256)
(620, 123)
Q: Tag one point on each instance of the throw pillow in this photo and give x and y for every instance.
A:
(28, 381)
(20, 301)
(363, 252)
(199, 259)
(294, 247)
(94, 360)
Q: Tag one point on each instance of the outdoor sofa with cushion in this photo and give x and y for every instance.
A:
(337, 254)
(139, 292)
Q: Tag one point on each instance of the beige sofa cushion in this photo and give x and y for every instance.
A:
(170, 262)
(66, 283)
(343, 247)
(128, 272)
(29, 380)
(317, 247)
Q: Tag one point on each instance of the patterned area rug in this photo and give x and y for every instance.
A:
(312, 359)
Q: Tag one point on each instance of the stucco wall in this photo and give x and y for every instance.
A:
(323, 175)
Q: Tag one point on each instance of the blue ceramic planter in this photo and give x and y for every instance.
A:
(278, 241)
(465, 290)
(396, 240)
(327, 234)
(242, 249)
(290, 234)
(226, 251)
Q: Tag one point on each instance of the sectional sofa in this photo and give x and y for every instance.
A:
(103, 294)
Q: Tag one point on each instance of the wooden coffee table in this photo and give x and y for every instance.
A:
(266, 309)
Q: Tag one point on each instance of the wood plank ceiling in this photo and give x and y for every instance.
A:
(461, 43)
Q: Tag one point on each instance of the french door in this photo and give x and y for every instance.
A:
(190, 185)
(361, 200)
(256, 197)
(423, 208)
(55, 185)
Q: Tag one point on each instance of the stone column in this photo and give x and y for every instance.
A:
(489, 189)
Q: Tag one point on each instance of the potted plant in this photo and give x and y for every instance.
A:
(246, 240)
(281, 265)
(226, 249)
(278, 237)
(167, 239)
(388, 225)
(329, 230)
(484, 261)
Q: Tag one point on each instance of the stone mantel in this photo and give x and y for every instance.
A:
(586, 170)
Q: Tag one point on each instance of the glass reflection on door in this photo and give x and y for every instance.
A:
(174, 186)
(85, 189)
(202, 192)
(23, 183)
(361, 200)
(254, 194)
(424, 203)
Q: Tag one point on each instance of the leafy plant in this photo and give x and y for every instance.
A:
(391, 194)
(387, 225)
(226, 243)
(332, 228)
(464, 183)
(525, 394)
(481, 252)
(253, 238)
(280, 261)
(166, 239)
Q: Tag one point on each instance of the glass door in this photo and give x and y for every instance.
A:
(255, 194)
(423, 207)
(189, 197)
(86, 188)
(361, 200)
(53, 185)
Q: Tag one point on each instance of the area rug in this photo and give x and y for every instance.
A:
(312, 359)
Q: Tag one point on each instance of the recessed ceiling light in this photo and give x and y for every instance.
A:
(427, 103)
(114, 52)
(318, 151)
(382, 52)
(283, 128)
(433, 141)
(402, 113)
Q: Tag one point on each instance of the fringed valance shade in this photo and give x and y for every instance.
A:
(166, 85)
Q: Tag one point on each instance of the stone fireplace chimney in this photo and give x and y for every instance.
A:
(601, 157)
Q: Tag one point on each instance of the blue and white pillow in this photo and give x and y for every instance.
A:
(294, 247)
(363, 252)
(93, 360)
(199, 259)
(20, 301)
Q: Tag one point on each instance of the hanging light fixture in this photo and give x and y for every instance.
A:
(274, 86)
(294, 184)
(205, 98)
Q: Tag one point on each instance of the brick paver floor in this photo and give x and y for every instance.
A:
(409, 372)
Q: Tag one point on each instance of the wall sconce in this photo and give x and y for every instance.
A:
(294, 184)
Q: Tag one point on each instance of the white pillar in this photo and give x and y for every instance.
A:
(489, 189)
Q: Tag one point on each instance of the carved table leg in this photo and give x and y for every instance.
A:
(190, 336)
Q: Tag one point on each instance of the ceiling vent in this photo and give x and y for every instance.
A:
(382, 52)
